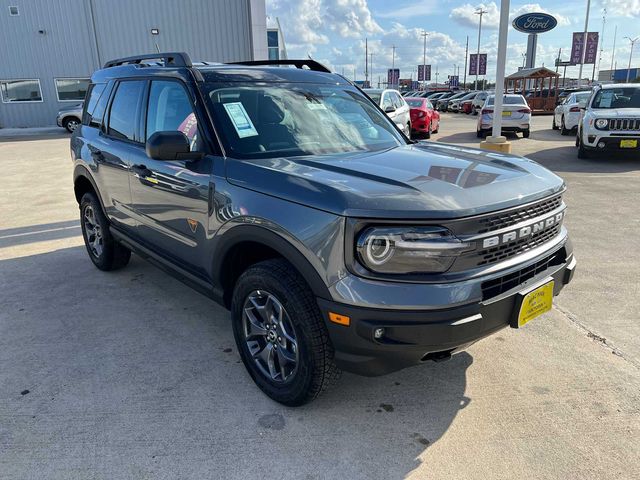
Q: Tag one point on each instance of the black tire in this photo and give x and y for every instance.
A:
(111, 255)
(526, 133)
(429, 132)
(315, 369)
(71, 123)
(437, 127)
(553, 123)
(583, 153)
(563, 127)
(479, 133)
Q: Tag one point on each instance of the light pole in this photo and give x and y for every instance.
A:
(584, 42)
(524, 59)
(371, 67)
(480, 12)
(393, 64)
(633, 41)
(424, 60)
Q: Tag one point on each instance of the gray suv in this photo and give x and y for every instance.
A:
(289, 197)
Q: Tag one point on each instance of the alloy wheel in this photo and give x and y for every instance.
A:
(270, 336)
(93, 232)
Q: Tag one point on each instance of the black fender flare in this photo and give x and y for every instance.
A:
(253, 233)
(83, 171)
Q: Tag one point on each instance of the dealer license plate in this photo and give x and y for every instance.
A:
(506, 114)
(628, 143)
(535, 303)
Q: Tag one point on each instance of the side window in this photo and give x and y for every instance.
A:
(91, 100)
(169, 109)
(397, 101)
(386, 101)
(122, 117)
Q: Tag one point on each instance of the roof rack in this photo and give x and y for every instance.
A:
(171, 59)
(310, 64)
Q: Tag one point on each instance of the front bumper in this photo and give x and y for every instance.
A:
(595, 138)
(413, 336)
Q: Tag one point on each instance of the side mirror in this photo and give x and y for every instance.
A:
(170, 145)
(389, 109)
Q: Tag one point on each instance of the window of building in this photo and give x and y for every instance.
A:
(273, 44)
(170, 110)
(13, 11)
(22, 91)
(71, 89)
(122, 117)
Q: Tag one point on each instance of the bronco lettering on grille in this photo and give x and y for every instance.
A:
(522, 232)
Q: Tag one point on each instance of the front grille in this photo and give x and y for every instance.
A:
(506, 219)
(497, 286)
(508, 250)
(624, 124)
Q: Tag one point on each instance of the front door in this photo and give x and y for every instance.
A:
(170, 198)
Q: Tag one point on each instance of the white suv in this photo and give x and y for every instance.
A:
(393, 105)
(611, 120)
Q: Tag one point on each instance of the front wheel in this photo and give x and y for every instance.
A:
(280, 333)
(583, 153)
(71, 124)
(105, 252)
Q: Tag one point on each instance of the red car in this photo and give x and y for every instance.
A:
(466, 106)
(424, 119)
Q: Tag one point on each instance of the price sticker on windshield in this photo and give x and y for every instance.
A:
(240, 119)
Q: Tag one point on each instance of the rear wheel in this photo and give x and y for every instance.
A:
(280, 333)
(553, 123)
(429, 131)
(526, 133)
(105, 252)
(563, 128)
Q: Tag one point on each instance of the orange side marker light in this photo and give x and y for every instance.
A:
(339, 319)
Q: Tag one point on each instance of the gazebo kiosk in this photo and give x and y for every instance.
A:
(536, 80)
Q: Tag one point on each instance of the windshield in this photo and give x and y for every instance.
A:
(509, 100)
(264, 121)
(624, 97)
(414, 102)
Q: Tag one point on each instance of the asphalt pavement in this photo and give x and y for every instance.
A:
(132, 374)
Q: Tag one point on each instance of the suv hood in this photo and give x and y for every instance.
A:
(615, 112)
(419, 181)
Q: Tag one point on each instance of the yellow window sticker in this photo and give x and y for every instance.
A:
(240, 119)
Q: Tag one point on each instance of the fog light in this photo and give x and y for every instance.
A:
(378, 333)
(601, 144)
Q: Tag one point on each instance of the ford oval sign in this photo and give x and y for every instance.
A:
(534, 23)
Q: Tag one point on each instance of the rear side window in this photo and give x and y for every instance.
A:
(170, 110)
(91, 100)
(122, 116)
(397, 100)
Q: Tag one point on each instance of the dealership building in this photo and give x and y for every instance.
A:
(51, 47)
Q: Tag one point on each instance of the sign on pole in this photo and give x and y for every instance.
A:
(454, 81)
(393, 76)
(424, 73)
(578, 46)
(534, 23)
(481, 69)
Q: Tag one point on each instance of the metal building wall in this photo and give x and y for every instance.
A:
(214, 30)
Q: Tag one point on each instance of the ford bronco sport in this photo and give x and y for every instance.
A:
(289, 197)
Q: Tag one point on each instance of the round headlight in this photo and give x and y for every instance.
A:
(378, 249)
(602, 123)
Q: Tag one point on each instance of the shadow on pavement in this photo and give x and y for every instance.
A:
(23, 137)
(133, 365)
(11, 237)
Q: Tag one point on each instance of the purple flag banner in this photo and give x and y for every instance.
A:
(393, 76)
(424, 73)
(577, 47)
(473, 64)
(592, 48)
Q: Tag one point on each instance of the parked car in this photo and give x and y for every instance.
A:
(443, 102)
(567, 114)
(466, 106)
(455, 105)
(611, 120)
(69, 117)
(409, 93)
(478, 101)
(425, 120)
(516, 116)
(287, 196)
(394, 105)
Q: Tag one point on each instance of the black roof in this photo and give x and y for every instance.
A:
(179, 65)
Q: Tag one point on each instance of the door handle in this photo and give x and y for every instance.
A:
(141, 171)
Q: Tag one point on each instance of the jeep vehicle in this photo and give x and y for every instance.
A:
(610, 120)
(289, 197)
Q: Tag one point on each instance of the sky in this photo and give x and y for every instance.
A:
(334, 31)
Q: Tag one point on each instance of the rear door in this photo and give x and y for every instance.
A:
(170, 198)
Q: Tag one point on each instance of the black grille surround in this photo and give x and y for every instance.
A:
(625, 124)
(507, 219)
(498, 286)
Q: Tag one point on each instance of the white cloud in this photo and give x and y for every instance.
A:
(421, 9)
(465, 15)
